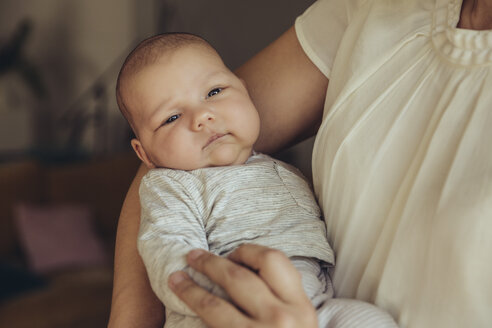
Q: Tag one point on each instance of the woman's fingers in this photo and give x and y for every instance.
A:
(246, 289)
(275, 268)
(269, 296)
(213, 310)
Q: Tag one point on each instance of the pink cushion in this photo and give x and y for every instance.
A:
(57, 237)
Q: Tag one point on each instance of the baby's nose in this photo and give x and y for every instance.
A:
(202, 117)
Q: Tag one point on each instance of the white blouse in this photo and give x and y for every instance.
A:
(402, 163)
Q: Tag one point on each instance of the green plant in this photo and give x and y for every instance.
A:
(12, 59)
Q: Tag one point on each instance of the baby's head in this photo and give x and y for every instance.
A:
(187, 109)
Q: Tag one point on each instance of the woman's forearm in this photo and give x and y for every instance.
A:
(288, 91)
(133, 304)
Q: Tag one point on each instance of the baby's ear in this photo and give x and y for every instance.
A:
(140, 151)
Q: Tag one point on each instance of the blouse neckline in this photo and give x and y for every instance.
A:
(460, 46)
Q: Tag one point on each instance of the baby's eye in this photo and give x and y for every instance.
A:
(214, 92)
(172, 118)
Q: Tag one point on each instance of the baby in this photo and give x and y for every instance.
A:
(195, 127)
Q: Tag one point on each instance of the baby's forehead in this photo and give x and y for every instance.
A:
(165, 61)
(197, 48)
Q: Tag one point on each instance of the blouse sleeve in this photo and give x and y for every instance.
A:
(320, 29)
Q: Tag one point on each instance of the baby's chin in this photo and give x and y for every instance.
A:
(227, 156)
(230, 157)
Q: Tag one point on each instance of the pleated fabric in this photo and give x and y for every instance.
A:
(402, 162)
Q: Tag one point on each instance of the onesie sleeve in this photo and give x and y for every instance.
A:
(320, 29)
(171, 225)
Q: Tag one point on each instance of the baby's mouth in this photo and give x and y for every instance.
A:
(214, 138)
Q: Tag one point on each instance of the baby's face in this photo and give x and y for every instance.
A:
(192, 112)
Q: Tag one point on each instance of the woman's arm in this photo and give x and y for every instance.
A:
(134, 303)
(288, 91)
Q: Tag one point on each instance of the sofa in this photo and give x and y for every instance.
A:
(64, 293)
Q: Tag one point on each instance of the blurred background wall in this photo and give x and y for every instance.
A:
(71, 52)
(73, 48)
(65, 158)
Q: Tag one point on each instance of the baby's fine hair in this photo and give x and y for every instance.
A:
(147, 52)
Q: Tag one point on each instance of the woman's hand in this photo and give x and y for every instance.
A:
(263, 284)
